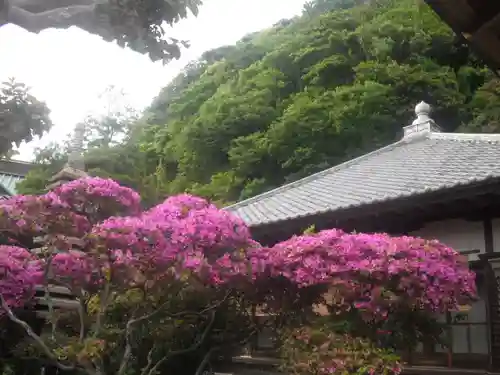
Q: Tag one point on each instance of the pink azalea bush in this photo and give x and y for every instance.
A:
(92, 233)
(375, 273)
(183, 236)
(20, 273)
(368, 283)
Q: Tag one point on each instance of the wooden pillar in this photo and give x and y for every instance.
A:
(491, 274)
(491, 261)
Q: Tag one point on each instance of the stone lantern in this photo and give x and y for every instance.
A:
(75, 166)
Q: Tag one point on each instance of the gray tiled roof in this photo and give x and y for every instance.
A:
(12, 172)
(9, 181)
(408, 167)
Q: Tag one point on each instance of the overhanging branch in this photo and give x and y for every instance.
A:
(83, 16)
(39, 6)
(38, 15)
(134, 24)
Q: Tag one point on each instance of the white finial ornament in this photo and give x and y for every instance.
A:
(422, 108)
(422, 125)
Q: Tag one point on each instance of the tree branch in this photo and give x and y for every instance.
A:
(128, 332)
(83, 16)
(128, 348)
(182, 313)
(82, 310)
(29, 331)
(153, 370)
(103, 306)
(133, 321)
(82, 316)
(39, 6)
(48, 297)
(204, 362)
(149, 364)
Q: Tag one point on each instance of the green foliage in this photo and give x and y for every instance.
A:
(310, 230)
(22, 116)
(140, 25)
(49, 160)
(485, 108)
(313, 91)
(319, 350)
(124, 162)
(112, 150)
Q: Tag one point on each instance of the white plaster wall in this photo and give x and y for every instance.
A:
(496, 234)
(459, 234)
(464, 235)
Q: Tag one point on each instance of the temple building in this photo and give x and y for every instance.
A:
(431, 184)
(11, 173)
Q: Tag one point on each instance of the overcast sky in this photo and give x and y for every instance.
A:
(69, 69)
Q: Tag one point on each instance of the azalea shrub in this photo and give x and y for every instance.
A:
(322, 351)
(385, 291)
(375, 273)
(150, 286)
(165, 289)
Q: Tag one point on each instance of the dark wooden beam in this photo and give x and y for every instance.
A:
(484, 10)
(456, 13)
(488, 235)
(487, 38)
(472, 20)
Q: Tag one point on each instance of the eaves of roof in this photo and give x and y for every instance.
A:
(8, 182)
(11, 173)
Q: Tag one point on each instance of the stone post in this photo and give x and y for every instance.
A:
(75, 166)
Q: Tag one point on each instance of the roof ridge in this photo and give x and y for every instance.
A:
(3, 173)
(480, 137)
(15, 167)
(15, 161)
(316, 175)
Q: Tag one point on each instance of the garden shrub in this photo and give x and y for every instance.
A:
(322, 351)
(379, 294)
(164, 289)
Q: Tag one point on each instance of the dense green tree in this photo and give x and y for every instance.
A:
(111, 151)
(310, 92)
(49, 160)
(485, 108)
(22, 116)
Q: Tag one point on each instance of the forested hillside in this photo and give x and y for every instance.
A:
(338, 81)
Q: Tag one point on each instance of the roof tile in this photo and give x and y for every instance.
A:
(9, 182)
(404, 168)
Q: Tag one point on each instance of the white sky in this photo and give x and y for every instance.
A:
(69, 69)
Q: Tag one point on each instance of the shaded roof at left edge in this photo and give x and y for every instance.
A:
(11, 173)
